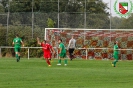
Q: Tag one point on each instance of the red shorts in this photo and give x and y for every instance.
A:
(47, 55)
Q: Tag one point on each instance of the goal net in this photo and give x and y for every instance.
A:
(94, 43)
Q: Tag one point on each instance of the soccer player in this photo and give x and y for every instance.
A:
(47, 50)
(71, 47)
(115, 54)
(62, 53)
(17, 46)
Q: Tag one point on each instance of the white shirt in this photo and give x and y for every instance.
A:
(72, 43)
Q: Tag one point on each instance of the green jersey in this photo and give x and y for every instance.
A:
(17, 42)
(62, 46)
(115, 49)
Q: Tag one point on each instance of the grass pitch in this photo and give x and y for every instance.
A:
(35, 73)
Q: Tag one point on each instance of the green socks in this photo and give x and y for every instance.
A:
(65, 61)
(17, 57)
(59, 61)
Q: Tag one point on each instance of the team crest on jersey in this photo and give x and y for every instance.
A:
(123, 9)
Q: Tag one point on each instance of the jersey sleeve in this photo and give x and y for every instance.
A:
(60, 46)
(47, 46)
(20, 39)
(42, 44)
(50, 47)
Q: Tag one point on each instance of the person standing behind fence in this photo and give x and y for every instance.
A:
(17, 46)
(115, 54)
(71, 47)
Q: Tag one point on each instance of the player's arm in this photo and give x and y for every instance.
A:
(38, 41)
(75, 44)
(52, 49)
(69, 44)
(13, 43)
(60, 49)
(22, 43)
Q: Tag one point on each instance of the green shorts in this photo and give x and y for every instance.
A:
(17, 49)
(62, 55)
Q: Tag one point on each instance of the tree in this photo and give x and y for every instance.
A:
(115, 22)
(1, 8)
(126, 23)
(50, 23)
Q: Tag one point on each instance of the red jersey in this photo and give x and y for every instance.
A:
(46, 47)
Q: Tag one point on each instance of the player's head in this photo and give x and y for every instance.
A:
(44, 41)
(72, 36)
(60, 40)
(17, 35)
(116, 42)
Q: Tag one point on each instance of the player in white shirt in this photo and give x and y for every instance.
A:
(71, 47)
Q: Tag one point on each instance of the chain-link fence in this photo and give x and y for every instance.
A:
(32, 24)
(24, 24)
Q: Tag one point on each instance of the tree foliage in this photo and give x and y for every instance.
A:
(126, 23)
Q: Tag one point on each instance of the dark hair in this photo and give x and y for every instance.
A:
(115, 43)
(45, 41)
(17, 35)
(60, 40)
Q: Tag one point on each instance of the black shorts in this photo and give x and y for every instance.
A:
(71, 50)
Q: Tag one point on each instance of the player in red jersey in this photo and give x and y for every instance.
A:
(47, 50)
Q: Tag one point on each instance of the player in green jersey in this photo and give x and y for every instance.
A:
(115, 54)
(17, 46)
(62, 53)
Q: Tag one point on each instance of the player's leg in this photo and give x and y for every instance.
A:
(49, 58)
(60, 57)
(46, 58)
(48, 62)
(19, 53)
(16, 54)
(70, 53)
(116, 60)
(59, 61)
(17, 57)
(65, 60)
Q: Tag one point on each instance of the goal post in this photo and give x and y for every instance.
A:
(98, 42)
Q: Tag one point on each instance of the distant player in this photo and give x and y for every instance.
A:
(62, 53)
(71, 47)
(115, 54)
(17, 46)
(47, 50)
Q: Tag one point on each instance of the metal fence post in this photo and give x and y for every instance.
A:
(86, 54)
(28, 54)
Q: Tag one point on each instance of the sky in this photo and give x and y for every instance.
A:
(111, 4)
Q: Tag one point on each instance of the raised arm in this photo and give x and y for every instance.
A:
(38, 41)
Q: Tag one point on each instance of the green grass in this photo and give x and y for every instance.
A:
(35, 73)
